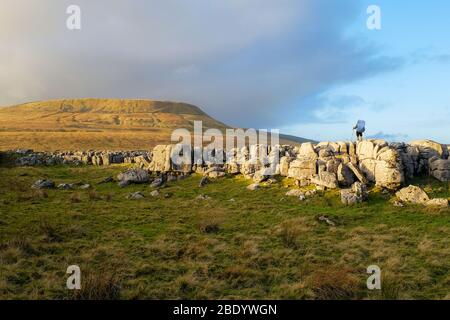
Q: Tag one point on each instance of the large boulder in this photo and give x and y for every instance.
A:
(381, 163)
(412, 194)
(440, 168)
(307, 151)
(429, 149)
(161, 161)
(302, 169)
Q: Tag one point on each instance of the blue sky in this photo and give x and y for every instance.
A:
(411, 102)
(307, 67)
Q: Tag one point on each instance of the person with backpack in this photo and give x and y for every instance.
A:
(360, 127)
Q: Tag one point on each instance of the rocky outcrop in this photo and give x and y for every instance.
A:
(428, 149)
(327, 164)
(439, 168)
(380, 163)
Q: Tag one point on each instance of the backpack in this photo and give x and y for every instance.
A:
(361, 126)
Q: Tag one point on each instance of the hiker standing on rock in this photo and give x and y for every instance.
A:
(360, 128)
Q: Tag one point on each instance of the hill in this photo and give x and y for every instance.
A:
(99, 124)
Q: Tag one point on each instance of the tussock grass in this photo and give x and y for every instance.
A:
(261, 245)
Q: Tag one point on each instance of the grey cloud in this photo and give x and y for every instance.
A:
(248, 63)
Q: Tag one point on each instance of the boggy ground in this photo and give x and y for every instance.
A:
(260, 245)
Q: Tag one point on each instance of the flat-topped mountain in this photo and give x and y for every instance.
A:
(119, 124)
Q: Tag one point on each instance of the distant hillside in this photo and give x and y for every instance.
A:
(99, 124)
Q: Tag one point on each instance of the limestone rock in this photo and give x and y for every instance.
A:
(325, 179)
(357, 172)
(412, 194)
(253, 187)
(307, 151)
(357, 194)
(158, 182)
(294, 193)
(133, 176)
(438, 202)
(284, 165)
(302, 169)
(440, 168)
(345, 176)
(429, 149)
(135, 195)
(43, 184)
(65, 186)
(202, 197)
(161, 158)
(154, 193)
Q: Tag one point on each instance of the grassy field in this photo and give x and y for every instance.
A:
(259, 245)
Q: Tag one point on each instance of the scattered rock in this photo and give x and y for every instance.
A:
(65, 186)
(85, 186)
(294, 193)
(133, 176)
(202, 197)
(438, 202)
(326, 220)
(253, 187)
(135, 195)
(43, 184)
(154, 193)
(302, 197)
(158, 182)
(412, 194)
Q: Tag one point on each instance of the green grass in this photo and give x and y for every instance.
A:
(262, 245)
